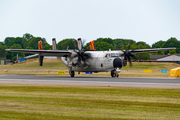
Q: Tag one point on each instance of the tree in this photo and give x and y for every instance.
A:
(66, 43)
(103, 46)
(2, 51)
(13, 55)
(33, 42)
(9, 41)
(172, 42)
(172, 52)
(27, 36)
(158, 44)
(118, 43)
(108, 40)
(145, 46)
(46, 46)
(1, 43)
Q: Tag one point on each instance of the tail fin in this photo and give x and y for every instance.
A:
(40, 46)
(92, 45)
(54, 46)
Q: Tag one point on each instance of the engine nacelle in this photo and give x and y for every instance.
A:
(117, 63)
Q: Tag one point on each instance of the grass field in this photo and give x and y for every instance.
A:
(34, 102)
(31, 67)
(76, 102)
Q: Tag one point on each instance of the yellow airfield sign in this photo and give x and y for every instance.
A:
(147, 71)
(60, 72)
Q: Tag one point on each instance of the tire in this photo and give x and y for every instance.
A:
(72, 73)
(113, 74)
(117, 76)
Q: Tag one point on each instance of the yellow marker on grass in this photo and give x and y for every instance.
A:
(147, 71)
(60, 72)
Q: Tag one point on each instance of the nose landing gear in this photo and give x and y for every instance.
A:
(71, 73)
(114, 73)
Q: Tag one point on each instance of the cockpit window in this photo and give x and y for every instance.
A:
(114, 55)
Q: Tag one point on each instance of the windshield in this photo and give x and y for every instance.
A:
(114, 55)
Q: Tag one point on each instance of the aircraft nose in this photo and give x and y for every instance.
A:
(117, 63)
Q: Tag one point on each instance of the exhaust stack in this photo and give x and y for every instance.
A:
(54, 46)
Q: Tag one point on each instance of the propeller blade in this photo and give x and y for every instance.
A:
(129, 44)
(134, 56)
(80, 45)
(122, 41)
(80, 53)
(129, 60)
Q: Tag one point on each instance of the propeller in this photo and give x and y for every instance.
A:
(80, 53)
(127, 53)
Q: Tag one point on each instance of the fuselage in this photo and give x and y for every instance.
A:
(100, 61)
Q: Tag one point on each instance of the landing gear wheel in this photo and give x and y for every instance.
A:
(113, 74)
(71, 73)
(117, 75)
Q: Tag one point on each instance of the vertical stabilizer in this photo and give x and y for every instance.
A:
(40, 45)
(92, 45)
(54, 46)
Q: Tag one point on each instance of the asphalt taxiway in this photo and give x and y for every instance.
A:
(92, 81)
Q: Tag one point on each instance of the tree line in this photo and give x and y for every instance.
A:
(28, 41)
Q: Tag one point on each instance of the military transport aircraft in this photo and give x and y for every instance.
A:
(89, 60)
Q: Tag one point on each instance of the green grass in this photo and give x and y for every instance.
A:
(34, 64)
(151, 66)
(78, 102)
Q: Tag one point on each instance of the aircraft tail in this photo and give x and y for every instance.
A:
(54, 45)
(40, 45)
(92, 45)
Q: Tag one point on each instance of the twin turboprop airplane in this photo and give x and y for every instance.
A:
(89, 60)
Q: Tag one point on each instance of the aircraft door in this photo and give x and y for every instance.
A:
(107, 60)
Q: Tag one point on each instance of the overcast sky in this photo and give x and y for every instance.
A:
(140, 20)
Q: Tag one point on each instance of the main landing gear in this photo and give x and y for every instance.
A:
(71, 73)
(114, 73)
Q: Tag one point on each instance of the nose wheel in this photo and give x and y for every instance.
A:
(71, 73)
(114, 73)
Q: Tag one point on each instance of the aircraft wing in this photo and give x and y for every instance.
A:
(150, 50)
(59, 53)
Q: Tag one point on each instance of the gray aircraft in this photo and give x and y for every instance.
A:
(89, 60)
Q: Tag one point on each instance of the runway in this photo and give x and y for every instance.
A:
(92, 81)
